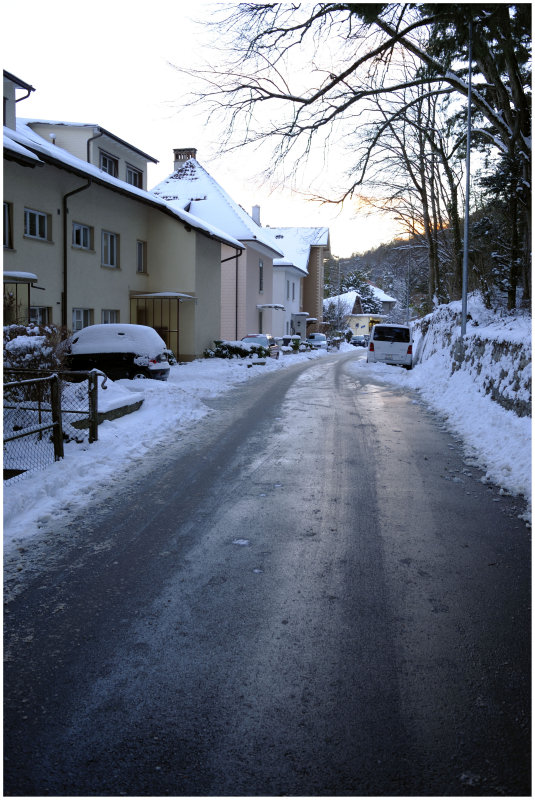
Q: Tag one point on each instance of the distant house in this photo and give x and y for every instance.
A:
(298, 277)
(85, 243)
(357, 320)
(247, 303)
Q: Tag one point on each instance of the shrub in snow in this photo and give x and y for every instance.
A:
(224, 349)
(34, 347)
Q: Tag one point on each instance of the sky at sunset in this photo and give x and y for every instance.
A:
(111, 64)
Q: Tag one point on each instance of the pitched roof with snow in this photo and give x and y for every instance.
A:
(296, 243)
(348, 298)
(24, 143)
(192, 188)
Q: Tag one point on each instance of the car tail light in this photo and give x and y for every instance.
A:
(372, 348)
(409, 350)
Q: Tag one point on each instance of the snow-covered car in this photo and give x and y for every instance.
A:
(358, 341)
(263, 340)
(318, 341)
(120, 351)
(390, 344)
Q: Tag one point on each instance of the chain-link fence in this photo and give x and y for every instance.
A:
(41, 411)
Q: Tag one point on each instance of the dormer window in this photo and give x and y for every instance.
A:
(109, 164)
(134, 176)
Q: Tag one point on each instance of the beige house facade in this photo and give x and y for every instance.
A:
(275, 284)
(247, 304)
(99, 247)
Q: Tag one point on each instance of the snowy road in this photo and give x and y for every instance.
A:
(310, 593)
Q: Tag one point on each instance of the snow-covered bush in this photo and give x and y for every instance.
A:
(224, 349)
(34, 347)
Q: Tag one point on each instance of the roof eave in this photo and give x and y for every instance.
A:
(47, 158)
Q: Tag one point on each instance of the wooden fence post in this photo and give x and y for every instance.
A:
(93, 406)
(57, 429)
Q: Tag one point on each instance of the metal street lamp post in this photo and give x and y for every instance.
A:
(467, 193)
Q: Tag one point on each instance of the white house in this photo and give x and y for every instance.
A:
(298, 276)
(350, 306)
(98, 247)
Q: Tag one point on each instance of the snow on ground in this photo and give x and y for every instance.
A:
(495, 439)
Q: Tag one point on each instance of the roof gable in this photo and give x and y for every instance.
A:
(193, 189)
(296, 244)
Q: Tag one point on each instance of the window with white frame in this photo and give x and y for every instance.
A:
(260, 275)
(81, 318)
(8, 228)
(109, 316)
(82, 236)
(287, 290)
(36, 224)
(40, 315)
(293, 290)
(134, 176)
(141, 256)
(110, 249)
(109, 164)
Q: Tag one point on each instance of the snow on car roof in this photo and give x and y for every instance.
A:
(115, 338)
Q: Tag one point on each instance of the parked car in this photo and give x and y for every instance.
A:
(391, 344)
(120, 351)
(263, 340)
(358, 341)
(318, 341)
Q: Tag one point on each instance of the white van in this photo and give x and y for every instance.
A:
(391, 344)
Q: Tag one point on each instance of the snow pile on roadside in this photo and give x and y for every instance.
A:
(495, 438)
(168, 407)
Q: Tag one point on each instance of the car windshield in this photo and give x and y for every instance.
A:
(382, 333)
(262, 340)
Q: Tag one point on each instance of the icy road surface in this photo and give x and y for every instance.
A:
(308, 593)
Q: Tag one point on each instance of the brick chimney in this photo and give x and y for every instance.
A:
(183, 154)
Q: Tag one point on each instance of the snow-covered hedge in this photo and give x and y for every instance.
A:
(34, 347)
(229, 349)
(496, 351)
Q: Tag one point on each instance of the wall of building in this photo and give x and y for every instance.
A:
(178, 259)
(231, 288)
(9, 104)
(313, 284)
(255, 297)
(208, 293)
(74, 138)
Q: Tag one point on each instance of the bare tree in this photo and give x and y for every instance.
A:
(359, 53)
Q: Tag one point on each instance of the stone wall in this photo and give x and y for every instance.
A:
(500, 366)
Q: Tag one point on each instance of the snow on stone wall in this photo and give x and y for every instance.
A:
(496, 351)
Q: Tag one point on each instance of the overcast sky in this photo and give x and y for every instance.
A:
(108, 63)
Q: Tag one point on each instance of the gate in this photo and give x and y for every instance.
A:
(41, 410)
